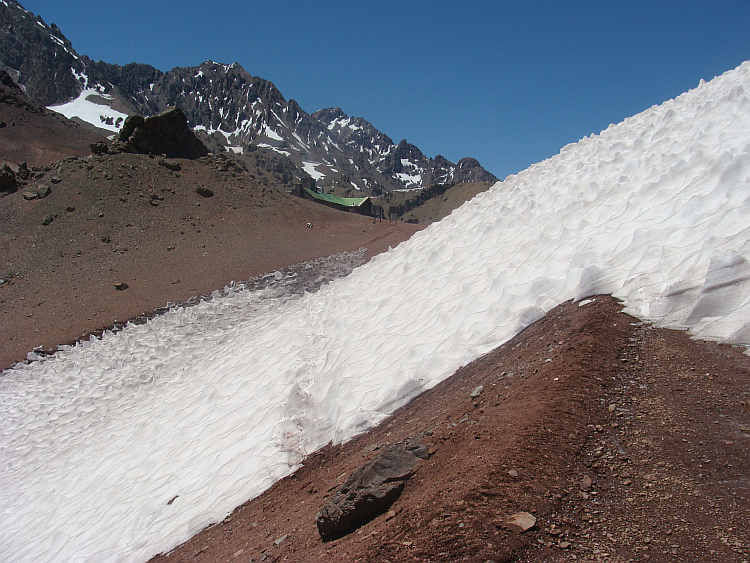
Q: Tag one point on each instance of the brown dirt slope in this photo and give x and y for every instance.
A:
(139, 220)
(627, 443)
(33, 134)
(436, 208)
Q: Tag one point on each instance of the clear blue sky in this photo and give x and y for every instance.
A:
(508, 83)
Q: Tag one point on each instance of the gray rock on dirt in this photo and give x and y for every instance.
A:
(370, 491)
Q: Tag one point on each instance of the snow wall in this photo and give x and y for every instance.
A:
(208, 406)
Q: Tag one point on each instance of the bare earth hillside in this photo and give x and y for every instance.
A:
(140, 221)
(625, 442)
(29, 132)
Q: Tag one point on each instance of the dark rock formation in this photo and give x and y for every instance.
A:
(469, 170)
(39, 55)
(40, 58)
(8, 183)
(166, 133)
(12, 95)
(370, 491)
(99, 147)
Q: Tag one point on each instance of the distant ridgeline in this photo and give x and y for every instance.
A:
(227, 107)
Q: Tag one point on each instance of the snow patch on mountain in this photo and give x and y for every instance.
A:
(310, 168)
(92, 106)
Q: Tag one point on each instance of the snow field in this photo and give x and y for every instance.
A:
(87, 108)
(208, 406)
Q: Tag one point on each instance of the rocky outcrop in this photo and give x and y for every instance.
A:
(166, 133)
(370, 491)
(469, 170)
(41, 58)
(8, 182)
(38, 56)
(12, 95)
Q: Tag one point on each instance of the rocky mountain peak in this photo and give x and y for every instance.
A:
(328, 115)
(38, 56)
(469, 170)
(229, 108)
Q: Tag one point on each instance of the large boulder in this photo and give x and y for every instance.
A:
(370, 491)
(7, 180)
(166, 133)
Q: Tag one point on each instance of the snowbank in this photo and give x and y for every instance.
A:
(121, 448)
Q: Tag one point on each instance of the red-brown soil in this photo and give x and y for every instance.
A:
(128, 219)
(626, 442)
(33, 134)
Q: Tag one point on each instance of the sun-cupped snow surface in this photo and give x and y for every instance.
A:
(91, 106)
(123, 447)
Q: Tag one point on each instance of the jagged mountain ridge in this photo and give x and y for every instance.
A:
(229, 107)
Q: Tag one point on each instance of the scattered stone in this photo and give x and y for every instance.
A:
(55, 179)
(39, 192)
(585, 483)
(23, 172)
(477, 391)
(370, 491)
(204, 192)
(70, 209)
(513, 473)
(106, 239)
(278, 541)
(518, 522)
(48, 219)
(100, 147)
(170, 165)
(120, 286)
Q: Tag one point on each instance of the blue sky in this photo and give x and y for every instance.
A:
(509, 83)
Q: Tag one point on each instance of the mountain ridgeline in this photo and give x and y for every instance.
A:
(230, 109)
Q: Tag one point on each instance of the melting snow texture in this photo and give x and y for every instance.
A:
(210, 405)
